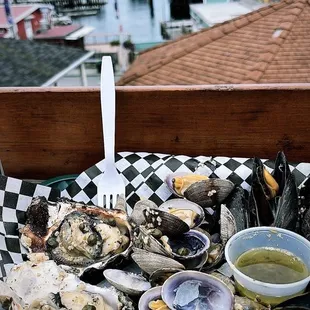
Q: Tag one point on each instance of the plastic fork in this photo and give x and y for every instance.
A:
(111, 184)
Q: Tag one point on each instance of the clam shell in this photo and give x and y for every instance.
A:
(127, 282)
(228, 224)
(209, 192)
(137, 216)
(158, 277)
(191, 236)
(150, 262)
(223, 298)
(152, 294)
(183, 204)
(194, 177)
(149, 243)
(167, 223)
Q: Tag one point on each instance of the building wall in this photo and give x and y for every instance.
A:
(35, 25)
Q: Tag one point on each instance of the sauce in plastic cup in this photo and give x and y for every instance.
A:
(257, 237)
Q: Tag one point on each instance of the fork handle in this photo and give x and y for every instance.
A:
(107, 94)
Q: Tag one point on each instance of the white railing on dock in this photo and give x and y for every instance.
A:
(105, 38)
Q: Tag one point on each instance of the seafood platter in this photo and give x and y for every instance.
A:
(172, 255)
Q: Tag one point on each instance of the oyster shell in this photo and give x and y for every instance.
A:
(209, 192)
(243, 303)
(48, 284)
(196, 290)
(127, 282)
(191, 213)
(9, 299)
(75, 234)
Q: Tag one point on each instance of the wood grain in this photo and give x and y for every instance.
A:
(46, 132)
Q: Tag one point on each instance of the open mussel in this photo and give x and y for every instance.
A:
(192, 290)
(272, 204)
(210, 192)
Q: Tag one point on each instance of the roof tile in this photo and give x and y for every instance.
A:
(242, 50)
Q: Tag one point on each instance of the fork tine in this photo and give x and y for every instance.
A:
(107, 201)
(114, 199)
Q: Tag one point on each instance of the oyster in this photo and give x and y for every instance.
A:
(75, 234)
(191, 213)
(127, 282)
(209, 192)
(48, 284)
(192, 290)
(179, 182)
(9, 299)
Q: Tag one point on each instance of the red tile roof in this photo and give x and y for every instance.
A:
(58, 32)
(18, 12)
(247, 49)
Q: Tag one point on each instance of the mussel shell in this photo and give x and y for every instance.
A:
(178, 203)
(150, 262)
(127, 282)
(287, 210)
(167, 223)
(209, 192)
(237, 204)
(223, 293)
(281, 171)
(261, 209)
(150, 295)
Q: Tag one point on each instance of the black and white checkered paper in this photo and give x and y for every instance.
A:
(144, 176)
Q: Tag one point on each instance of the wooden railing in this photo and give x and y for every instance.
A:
(45, 132)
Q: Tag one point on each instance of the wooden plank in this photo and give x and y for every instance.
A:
(45, 132)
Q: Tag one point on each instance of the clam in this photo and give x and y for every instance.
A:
(148, 242)
(210, 192)
(152, 296)
(150, 262)
(189, 246)
(137, 217)
(127, 282)
(179, 182)
(196, 290)
(228, 224)
(169, 224)
(191, 213)
(158, 277)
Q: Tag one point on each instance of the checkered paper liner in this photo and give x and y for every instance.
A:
(143, 174)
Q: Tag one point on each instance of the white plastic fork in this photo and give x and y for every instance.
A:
(111, 184)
